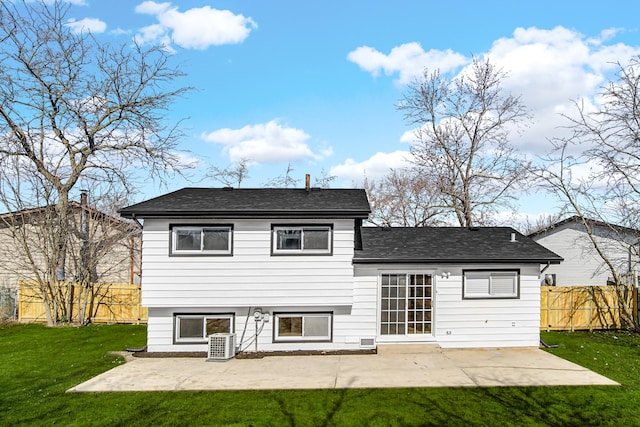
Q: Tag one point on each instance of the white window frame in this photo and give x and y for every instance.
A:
(201, 228)
(198, 340)
(406, 309)
(303, 337)
(490, 276)
(302, 251)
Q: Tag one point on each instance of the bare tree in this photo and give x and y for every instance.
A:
(284, 181)
(595, 170)
(541, 222)
(462, 134)
(75, 110)
(610, 139)
(100, 249)
(325, 179)
(231, 176)
(404, 198)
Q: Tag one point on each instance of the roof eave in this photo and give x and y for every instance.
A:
(455, 261)
(247, 214)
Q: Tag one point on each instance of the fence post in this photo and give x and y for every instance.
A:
(592, 304)
(634, 298)
(548, 310)
(572, 309)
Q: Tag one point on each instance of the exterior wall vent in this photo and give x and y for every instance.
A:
(367, 342)
(221, 347)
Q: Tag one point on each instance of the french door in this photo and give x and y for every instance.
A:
(406, 306)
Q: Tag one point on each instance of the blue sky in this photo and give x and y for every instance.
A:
(314, 84)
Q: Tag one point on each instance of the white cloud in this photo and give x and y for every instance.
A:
(120, 31)
(269, 142)
(374, 167)
(152, 8)
(186, 160)
(548, 68)
(154, 34)
(92, 25)
(196, 28)
(408, 60)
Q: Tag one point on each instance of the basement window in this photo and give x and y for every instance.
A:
(484, 284)
(201, 239)
(195, 328)
(302, 327)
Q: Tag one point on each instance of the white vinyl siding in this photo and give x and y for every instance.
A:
(582, 266)
(490, 284)
(488, 322)
(458, 322)
(252, 276)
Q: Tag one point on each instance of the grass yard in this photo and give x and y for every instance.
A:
(37, 365)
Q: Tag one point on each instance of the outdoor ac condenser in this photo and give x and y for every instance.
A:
(221, 347)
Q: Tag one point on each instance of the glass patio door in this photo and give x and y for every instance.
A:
(406, 304)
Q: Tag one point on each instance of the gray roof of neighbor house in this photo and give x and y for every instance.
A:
(449, 245)
(253, 203)
(592, 222)
(9, 219)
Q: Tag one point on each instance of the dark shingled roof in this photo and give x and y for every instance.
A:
(254, 203)
(449, 245)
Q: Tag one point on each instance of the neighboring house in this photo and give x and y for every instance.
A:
(582, 265)
(111, 246)
(296, 267)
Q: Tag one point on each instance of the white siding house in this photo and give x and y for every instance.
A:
(582, 265)
(294, 268)
(484, 284)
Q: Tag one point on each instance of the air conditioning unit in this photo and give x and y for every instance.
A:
(221, 347)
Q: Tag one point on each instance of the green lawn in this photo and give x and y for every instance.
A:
(37, 365)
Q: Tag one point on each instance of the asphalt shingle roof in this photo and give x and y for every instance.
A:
(256, 202)
(449, 245)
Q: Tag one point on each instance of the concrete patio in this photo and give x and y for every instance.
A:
(393, 366)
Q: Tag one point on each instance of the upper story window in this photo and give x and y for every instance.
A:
(304, 239)
(201, 239)
(491, 284)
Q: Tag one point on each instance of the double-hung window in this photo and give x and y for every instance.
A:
(302, 327)
(312, 239)
(491, 284)
(201, 239)
(195, 328)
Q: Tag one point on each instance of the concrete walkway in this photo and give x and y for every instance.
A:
(393, 366)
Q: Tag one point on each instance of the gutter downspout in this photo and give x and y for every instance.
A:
(133, 217)
(132, 252)
(545, 267)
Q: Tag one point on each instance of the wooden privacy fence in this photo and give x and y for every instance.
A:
(570, 308)
(114, 303)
